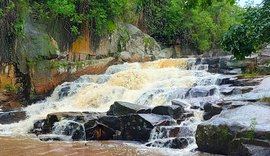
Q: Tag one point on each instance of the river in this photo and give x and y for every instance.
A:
(151, 83)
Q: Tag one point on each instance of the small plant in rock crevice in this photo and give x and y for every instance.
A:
(250, 134)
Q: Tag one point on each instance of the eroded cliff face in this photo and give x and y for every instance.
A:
(44, 66)
(7, 76)
(46, 55)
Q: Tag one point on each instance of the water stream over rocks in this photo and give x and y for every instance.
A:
(159, 105)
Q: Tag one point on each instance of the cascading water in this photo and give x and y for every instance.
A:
(152, 83)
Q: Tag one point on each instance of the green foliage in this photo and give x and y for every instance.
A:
(75, 30)
(250, 134)
(195, 23)
(66, 64)
(62, 7)
(250, 75)
(1, 13)
(100, 14)
(238, 41)
(38, 11)
(10, 88)
(244, 39)
(111, 26)
(265, 99)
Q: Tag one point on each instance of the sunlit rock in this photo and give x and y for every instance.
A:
(250, 122)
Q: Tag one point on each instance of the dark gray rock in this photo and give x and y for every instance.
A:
(124, 108)
(79, 117)
(64, 91)
(144, 111)
(225, 90)
(138, 127)
(12, 116)
(111, 121)
(98, 131)
(210, 110)
(37, 128)
(178, 143)
(224, 80)
(249, 147)
(175, 111)
(201, 91)
(213, 63)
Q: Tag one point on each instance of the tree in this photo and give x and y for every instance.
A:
(197, 24)
(253, 34)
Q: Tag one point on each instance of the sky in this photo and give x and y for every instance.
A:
(243, 2)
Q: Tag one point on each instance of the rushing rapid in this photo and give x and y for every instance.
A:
(150, 84)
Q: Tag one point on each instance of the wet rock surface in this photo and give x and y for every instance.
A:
(123, 121)
(210, 110)
(254, 147)
(249, 122)
(176, 143)
(9, 117)
(201, 91)
(225, 101)
(174, 111)
(123, 108)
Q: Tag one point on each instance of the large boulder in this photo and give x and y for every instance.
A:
(48, 125)
(140, 43)
(125, 56)
(164, 53)
(36, 43)
(138, 127)
(250, 122)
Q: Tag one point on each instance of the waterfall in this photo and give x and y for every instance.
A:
(151, 83)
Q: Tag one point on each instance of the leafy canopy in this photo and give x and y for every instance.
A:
(253, 34)
(198, 24)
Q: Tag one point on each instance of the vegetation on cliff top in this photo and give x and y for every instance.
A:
(193, 24)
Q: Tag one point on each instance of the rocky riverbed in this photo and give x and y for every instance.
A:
(172, 103)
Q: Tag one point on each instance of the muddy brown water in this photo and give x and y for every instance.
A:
(24, 146)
